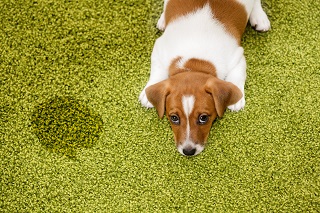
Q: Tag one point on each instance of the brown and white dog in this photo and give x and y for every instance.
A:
(197, 66)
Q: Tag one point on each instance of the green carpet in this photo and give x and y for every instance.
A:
(74, 137)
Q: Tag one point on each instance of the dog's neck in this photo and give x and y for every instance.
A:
(178, 65)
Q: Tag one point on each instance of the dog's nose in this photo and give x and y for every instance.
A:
(189, 151)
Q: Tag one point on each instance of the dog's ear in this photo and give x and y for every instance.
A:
(224, 94)
(157, 95)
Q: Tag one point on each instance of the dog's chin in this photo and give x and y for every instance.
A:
(190, 150)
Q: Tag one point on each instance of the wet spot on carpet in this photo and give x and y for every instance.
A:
(65, 125)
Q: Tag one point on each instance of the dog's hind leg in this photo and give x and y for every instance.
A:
(258, 18)
(161, 24)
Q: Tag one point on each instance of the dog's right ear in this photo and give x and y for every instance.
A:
(157, 95)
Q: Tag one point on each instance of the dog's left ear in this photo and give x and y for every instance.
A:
(157, 95)
(224, 94)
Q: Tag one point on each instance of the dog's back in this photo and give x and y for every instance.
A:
(233, 14)
(206, 29)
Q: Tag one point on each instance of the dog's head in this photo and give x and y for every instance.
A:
(192, 101)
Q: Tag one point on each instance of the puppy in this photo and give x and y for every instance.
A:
(197, 66)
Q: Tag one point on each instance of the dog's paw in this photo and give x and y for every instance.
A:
(144, 100)
(259, 21)
(238, 106)
(161, 25)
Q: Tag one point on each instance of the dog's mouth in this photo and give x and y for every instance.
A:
(190, 149)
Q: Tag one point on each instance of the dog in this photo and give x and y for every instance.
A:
(198, 68)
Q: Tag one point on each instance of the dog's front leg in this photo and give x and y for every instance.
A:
(158, 73)
(237, 76)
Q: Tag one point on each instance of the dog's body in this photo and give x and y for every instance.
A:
(197, 65)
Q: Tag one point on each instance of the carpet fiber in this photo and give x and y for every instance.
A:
(74, 137)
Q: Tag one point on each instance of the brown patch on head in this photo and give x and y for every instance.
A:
(200, 65)
(230, 13)
(193, 64)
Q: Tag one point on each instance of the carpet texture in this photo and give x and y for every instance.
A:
(74, 137)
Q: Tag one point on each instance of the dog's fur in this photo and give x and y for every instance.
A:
(197, 66)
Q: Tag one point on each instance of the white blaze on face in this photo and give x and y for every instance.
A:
(188, 104)
(188, 144)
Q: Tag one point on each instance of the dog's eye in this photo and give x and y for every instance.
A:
(175, 119)
(203, 119)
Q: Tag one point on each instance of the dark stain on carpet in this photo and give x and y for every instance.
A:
(65, 125)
